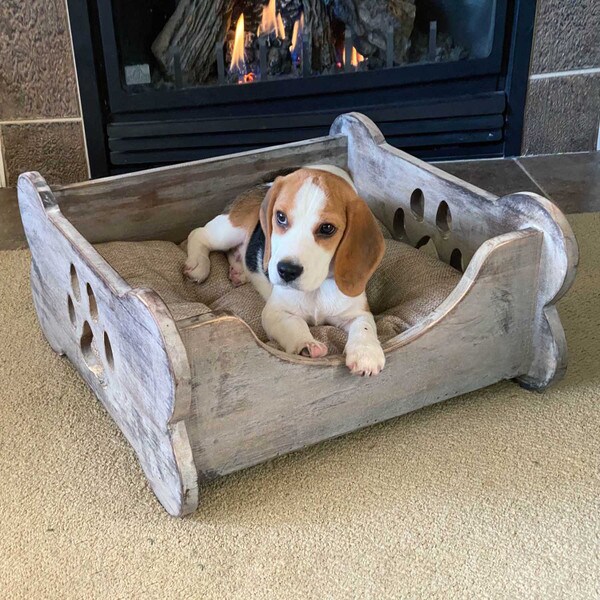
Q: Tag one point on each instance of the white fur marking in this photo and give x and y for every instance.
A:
(335, 171)
(298, 244)
(218, 234)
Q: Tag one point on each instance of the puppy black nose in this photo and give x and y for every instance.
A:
(289, 271)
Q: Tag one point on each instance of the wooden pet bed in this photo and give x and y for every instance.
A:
(202, 396)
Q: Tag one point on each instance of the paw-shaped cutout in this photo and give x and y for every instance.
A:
(422, 242)
(417, 204)
(427, 245)
(398, 225)
(93, 306)
(71, 308)
(94, 342)
(89, 349)
(443, 218)
(456, 259)
(108, 353)
(75, 283)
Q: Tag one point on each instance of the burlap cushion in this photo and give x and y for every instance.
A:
(408, 286)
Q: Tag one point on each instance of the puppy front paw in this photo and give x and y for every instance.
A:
(237, 276)
(365, 359)
(314, 349)
(197, 269)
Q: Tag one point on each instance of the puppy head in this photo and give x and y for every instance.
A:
(315, 224)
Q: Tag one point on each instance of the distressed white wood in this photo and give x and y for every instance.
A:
(168, 202)
(387, 178)
(247, 402)
(204, 397)
(147, 389)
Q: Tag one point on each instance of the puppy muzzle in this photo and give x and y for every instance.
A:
(289, 271)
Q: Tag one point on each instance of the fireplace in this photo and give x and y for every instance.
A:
(163, 81)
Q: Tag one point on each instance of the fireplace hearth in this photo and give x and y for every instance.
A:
(163, 81)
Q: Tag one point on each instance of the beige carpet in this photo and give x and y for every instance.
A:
(491, 495)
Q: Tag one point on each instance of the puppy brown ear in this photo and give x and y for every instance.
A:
(266, 218)
(360, 250)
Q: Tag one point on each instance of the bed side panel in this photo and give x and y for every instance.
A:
(250, 405)
(168, 202)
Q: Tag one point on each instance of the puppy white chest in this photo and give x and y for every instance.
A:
(317, 307)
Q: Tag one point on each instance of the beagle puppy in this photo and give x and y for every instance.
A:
(309, 244)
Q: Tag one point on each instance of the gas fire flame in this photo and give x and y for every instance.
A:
(271, 21)
(238, 65)
(355, 58)
(297, 35)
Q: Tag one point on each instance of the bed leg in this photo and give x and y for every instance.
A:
(44, 319)
(550, 363)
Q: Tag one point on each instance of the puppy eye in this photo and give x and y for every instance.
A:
(327, 229)
(281, 218)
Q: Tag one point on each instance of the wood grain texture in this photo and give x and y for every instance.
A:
(391, 180)
(168, 202)
(37, 75)
(122, 341)
(204, 397)
(192, 31)
(247, 406)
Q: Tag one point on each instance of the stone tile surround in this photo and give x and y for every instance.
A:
(563, 102)
(40, 119)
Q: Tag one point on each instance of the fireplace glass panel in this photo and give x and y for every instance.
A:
(165, 44)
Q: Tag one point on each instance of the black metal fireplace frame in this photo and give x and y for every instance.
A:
(118, 120)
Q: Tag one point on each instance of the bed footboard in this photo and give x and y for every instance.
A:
(421, 204)
(122, 341)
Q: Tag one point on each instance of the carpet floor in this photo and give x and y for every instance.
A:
(495, 494)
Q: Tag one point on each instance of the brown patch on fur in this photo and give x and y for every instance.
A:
(243, 212)
(361, 247)
(266, 218)
(286, 198)
(338, 193)
(357, 245)
(360, 251)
